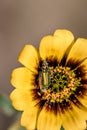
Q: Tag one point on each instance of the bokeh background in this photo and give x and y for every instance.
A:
(26, 22)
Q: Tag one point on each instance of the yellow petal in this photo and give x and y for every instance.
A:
(84, 65)
(83, 99)
(47, 120)
(79, 50)
(22, 78)
(29, 118)
(22, 99)
(46, 47)
(56, 45)
(29, 58)
(74, 119)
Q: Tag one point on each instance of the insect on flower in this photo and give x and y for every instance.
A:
(51, 87)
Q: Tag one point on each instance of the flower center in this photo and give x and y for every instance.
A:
(57, 83)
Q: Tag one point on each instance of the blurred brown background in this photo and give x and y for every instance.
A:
(27, 21)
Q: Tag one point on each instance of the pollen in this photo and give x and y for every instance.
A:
(57, 83)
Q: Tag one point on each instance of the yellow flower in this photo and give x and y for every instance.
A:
(51, 86)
